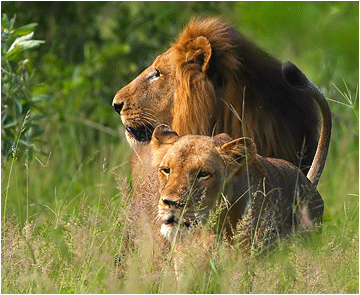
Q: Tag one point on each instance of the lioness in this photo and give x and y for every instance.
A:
(265, 197)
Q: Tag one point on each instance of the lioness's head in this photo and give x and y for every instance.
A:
(192, 172)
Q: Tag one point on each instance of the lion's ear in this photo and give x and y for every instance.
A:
(198, 52)
(241, 152)
(162, 139)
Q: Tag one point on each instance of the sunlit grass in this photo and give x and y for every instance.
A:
(4, 205)
(67, 259)
(67, 219)
(66, 235)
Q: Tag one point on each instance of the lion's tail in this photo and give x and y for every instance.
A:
(298, 80)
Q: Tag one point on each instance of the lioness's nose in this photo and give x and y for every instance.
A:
(118, 106)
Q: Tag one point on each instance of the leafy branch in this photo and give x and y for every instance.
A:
(18, 102)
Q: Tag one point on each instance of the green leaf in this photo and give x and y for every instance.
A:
(17, 41)
(17, 46)
(21, 65)
(7, 24)
(18, 107)
(12, 51)
(10, 125)
(40, 97)
(24, 42)
(12, 22)
(30, 44)
(4, 21)
(6, 148)
(24, 30)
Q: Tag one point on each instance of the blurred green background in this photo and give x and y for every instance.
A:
(92, 49)
(69, 152)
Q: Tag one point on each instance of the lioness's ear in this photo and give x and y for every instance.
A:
(241, 151)
(162, 139)
(198, 52)
(221, 139)
(163, 135)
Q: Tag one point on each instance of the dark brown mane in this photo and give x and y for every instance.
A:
(223, 80)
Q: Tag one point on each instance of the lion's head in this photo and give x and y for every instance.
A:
(214, 80)
(175, 90)
(147, 100)
(192, 172)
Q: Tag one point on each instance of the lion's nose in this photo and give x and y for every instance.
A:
(118, 107)
(172, 203)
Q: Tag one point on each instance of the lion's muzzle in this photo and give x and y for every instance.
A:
(139, 133)
(142, 133)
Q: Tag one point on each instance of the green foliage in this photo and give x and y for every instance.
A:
(21, 112)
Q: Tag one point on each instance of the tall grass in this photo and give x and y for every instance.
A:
(67, 220)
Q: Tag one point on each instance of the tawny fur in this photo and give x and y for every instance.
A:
(265, 198)
(214, 80)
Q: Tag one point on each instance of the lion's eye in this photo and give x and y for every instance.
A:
(165, 171)
(156, 74)
(203, 175)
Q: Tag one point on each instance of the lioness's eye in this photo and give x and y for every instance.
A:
(203, 175)
(165, 171)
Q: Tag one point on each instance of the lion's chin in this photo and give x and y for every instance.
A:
(133, 142)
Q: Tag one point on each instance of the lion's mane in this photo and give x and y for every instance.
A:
(227, 84)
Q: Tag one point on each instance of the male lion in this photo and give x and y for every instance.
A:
(214, 80)
(265, 197)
